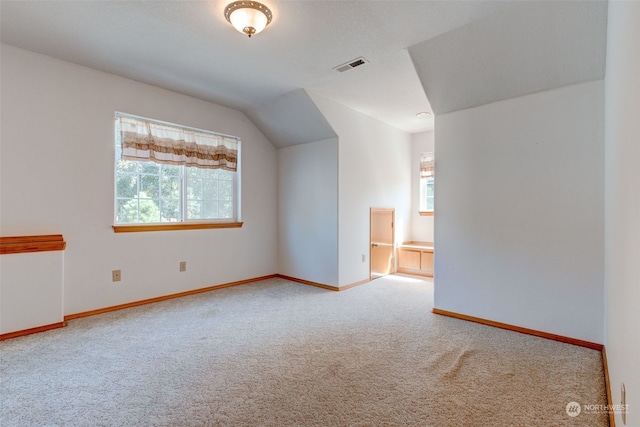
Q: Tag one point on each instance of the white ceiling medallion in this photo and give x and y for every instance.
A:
(248, 17)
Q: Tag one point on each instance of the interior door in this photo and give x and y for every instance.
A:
(381, 253)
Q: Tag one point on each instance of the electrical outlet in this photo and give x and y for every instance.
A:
(116, 275)
(364, 257)
(183, 266)
(623, 401)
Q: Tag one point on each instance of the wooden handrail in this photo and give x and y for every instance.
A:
(22, 244)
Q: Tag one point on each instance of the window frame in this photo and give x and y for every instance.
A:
(184, 223)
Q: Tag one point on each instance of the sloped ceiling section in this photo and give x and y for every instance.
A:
(388, 90)
(533, 47)
(291, 119)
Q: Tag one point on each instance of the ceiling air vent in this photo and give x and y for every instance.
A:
(351, 64)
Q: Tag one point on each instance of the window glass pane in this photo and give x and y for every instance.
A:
(427, 189)
(194, 189)
(210, 209)
(149, 211)
(225, 190)
(430, 188)
(225, 210)
(126, 185)
(126, 211)
(430, 204)
(194, 209)
(210, 190)
(150, 186)
(209, 173)
(150, 167)
(193, 172)
(170, 170)
(170, 211)
(170, 188)
(126, 166)
(204, 191)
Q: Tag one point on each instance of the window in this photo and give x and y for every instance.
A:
(427, 184)
(167, 174)
(426, 194)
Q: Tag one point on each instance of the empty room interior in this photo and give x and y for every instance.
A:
(320, 213)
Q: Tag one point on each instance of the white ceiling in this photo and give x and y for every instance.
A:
(389, 90)
(188, 47)
(538, 46)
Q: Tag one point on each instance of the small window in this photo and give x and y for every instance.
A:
(426, 194)
(166, 173)
(427, 184)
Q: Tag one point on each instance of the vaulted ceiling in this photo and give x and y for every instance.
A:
(448, 55)
(534, 47)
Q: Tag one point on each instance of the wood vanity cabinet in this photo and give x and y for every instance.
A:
(416, 258)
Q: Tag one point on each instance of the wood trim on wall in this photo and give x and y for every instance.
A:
(322, 285)
(30, 331)
(353, 285)
(414, 272)
(547, 335)
(307, 282)
(173, 226)
(426, 213)
(607, 384)
(168, 297)
(24, 244)
(163, 298)
(201, 290)
(172, 296)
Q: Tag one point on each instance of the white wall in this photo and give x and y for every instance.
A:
(31, 287)
(520, 202)
(373, 171)
(421, 226)
(622, 204)
(57, 177)
(308, 211)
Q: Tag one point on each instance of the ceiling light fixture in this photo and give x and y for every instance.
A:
(248, 17)
(423, 114)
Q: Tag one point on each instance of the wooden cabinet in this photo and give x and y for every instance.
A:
(409, 259)
(426, 262)
(416, 258)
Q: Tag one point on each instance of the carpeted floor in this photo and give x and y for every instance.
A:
(278, 353)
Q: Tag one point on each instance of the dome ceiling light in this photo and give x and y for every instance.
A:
(248, 17)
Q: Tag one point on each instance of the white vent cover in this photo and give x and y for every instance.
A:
(351, 64)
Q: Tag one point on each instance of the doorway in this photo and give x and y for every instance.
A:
(382, 244)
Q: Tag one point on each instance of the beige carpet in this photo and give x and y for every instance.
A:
(278, 353)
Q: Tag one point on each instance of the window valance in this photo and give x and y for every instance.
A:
(162, 143)
(427, 169)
